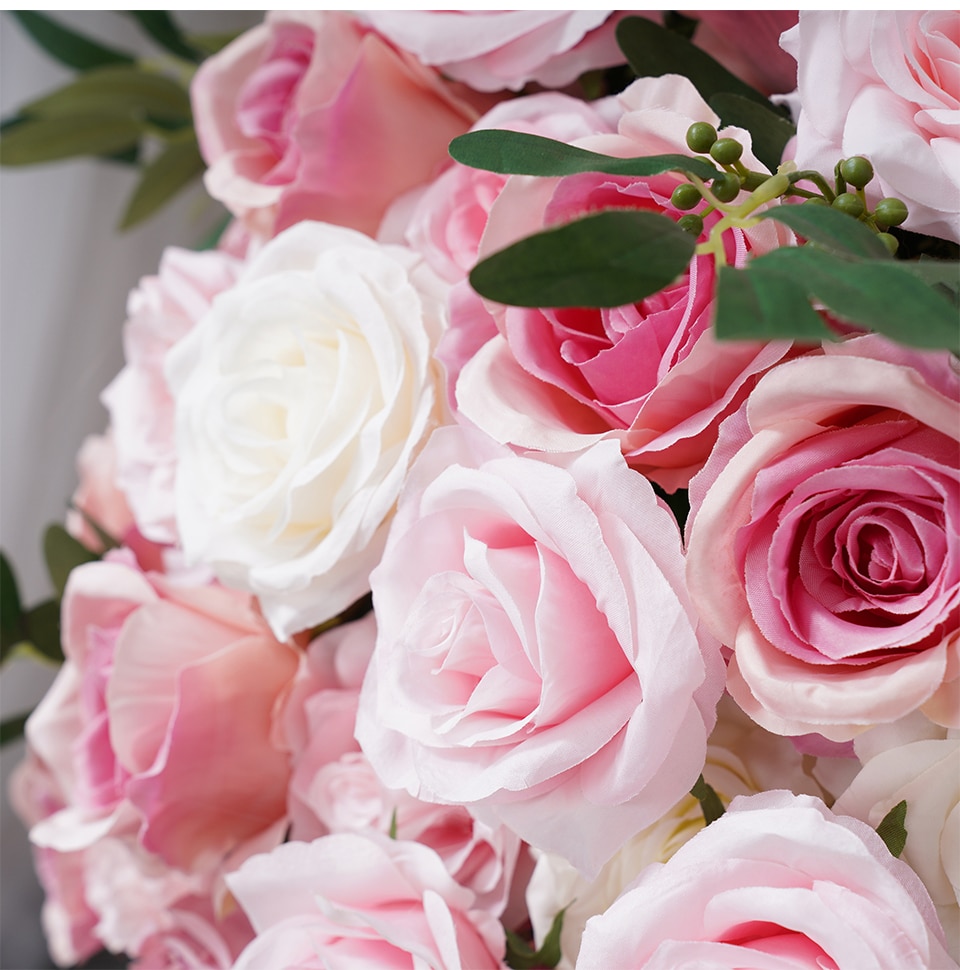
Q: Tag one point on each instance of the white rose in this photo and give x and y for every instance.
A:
(917, 762)
(301, 398)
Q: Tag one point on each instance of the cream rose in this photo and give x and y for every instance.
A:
(301, 398)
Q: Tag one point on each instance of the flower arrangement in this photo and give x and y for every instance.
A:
(529, 534)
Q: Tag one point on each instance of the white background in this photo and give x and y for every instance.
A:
(64, 277)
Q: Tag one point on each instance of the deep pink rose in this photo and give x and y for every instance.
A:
(160, 311)
(747, 42)
(495, 49)
(822, 545)
(159, 723)
(778, 882)
(885, 84)
(361, 900)
(537, 657)
(649, 375)
(312, 116)
(449, 217)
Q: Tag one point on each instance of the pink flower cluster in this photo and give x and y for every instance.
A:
(245, 762)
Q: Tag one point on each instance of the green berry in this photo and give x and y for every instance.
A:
(700, 136)
(691, 223)
(726, 187)
(816, 200)
(849, 203)
(726, 151)
(685, 196)
(857, 171)
(890, 212)
(890, 242)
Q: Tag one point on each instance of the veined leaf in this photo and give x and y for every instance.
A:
(66, 45)
(164, 30)
(653, 51)
(830, 229)
(518, 153)
(769, 130)
(52, 139)
(604, 260)
(118, 89)
(178, 165)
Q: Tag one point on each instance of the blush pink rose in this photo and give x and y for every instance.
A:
(361, 900)
(312, 116)
(778, 882)
(885, 84)
(822, 541)
(649, 375)
(495, 49)
(335, 789)
(160, 311)
(159, 723)
(527, 609)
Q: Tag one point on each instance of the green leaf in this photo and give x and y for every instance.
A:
(52, 139)
(12, 728)
(518, 153)
(653, 51)
(771, 299)
(521, 956)
(116, 90)
(762, 305)
(709, 800)
(42, 627)
(769, 130)
(178, 165)
(393, 825)
(209, 44)
(892, 829)
(830, 229)
(608, 259)
(66, 45)
(10, 609)
(62, 554)
(159, 25)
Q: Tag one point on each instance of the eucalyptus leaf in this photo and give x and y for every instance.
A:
(519, 153)
(53, 139)
(653, 51)
(42, 627)
(120, 90)
(62, 554)
(175, 168)
(603, 260)
(10, 609)
(769, 130)
(66, 45)
(709, 800)
(11, 729)
(830, 229)
(892, 829)
(164, 30)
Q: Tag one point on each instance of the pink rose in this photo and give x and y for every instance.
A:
(885, 84)
(449, 217)
(746, 42)
(649, 375)
(495, 49)
(352, 900)
(779, 881)
(162, 310)
(335, 789)
(822, 541)
(159, 723)
(527, 609)
(312, 116)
